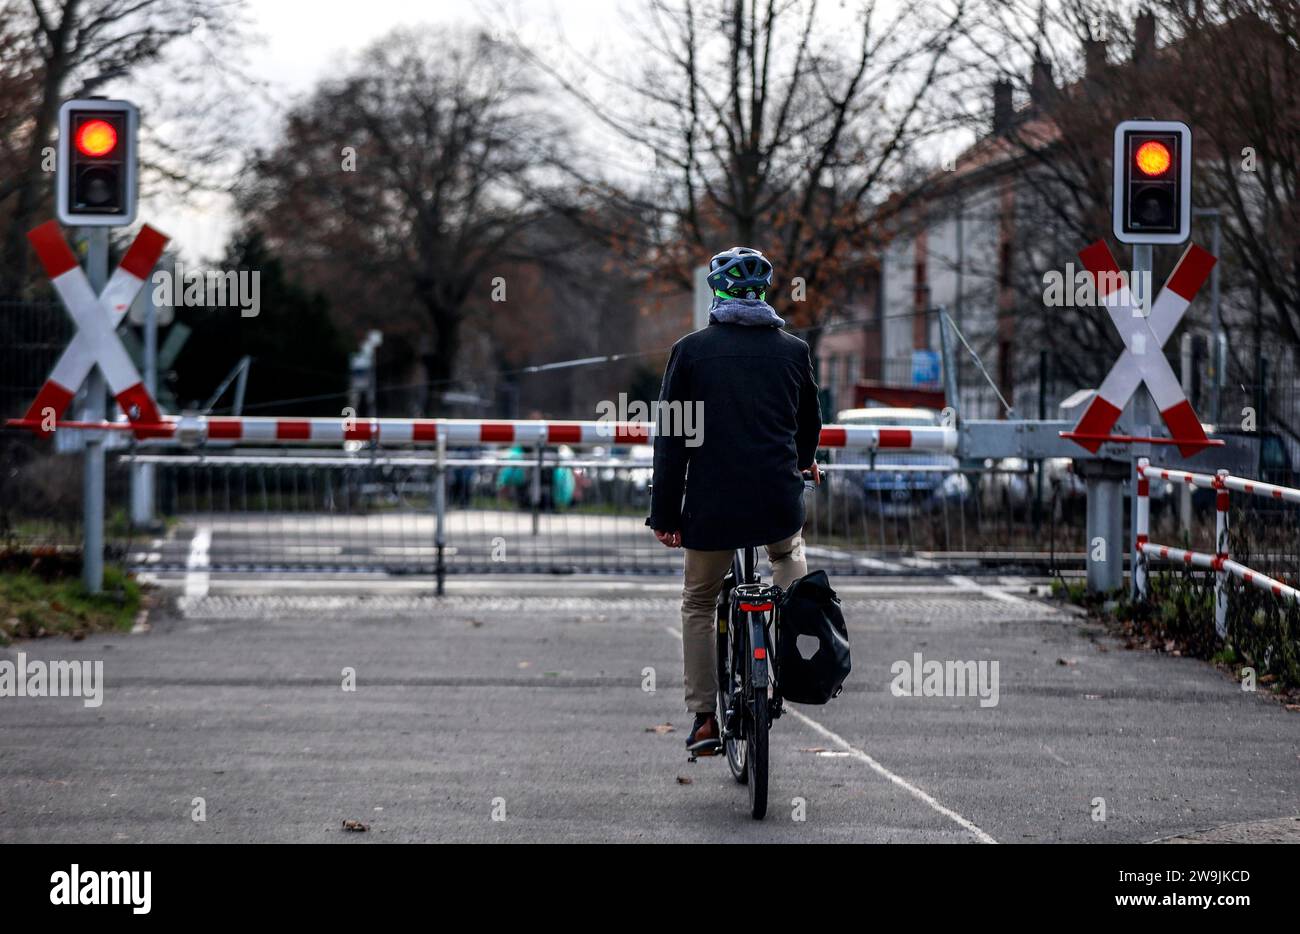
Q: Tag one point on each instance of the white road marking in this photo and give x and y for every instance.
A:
(850, 750)
(821, 551)
(422, 551)
(196, 565)
(898, 780)
(966, 583)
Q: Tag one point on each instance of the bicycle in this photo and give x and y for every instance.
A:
(749, 696)
(749, 675)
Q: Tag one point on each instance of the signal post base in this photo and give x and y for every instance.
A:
(1105, 522)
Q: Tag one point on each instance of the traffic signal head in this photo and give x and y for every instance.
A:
(1153, 182)
(96, 167)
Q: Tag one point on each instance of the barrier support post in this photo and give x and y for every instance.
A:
(1105, 523)
(440, 510)
(1141, 529)
(1220, 554)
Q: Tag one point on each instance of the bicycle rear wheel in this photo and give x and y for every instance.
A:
(756, 747)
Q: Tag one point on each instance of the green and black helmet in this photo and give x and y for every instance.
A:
(740, 272)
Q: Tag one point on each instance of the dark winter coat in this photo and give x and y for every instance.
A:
(761, 423)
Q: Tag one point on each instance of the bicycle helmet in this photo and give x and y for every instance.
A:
(740, 272)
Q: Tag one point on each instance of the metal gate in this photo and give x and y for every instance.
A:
(546, 511)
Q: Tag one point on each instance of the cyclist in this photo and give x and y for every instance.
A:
(738, 482)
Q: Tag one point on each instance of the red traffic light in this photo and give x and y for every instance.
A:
(96, 138)
(1153, 158)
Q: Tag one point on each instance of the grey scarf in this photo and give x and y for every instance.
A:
(751, 311)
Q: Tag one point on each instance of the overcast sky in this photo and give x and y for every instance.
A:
(303, 41)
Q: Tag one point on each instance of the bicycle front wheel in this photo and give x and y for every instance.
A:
(730, 694)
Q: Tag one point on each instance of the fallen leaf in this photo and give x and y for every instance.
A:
(683, 780)
(1071, 662)
(661, 729)
(355, 826)
(525, 664)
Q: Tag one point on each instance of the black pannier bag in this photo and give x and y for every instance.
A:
(812, 642)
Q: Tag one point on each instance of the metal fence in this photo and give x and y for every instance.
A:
(507, 511)
(32, 336)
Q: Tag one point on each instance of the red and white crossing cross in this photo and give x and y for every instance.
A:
(96, 317)
(1143, 360)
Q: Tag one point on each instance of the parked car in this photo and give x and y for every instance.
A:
(1006, 485)
(1009, 485)
(921, 482)
(623, 476)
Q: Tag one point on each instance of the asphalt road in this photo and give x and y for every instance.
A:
(515, 711)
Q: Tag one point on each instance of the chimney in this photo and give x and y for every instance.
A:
(1003, 112)
(1144, 38)
(1094, 57)
(1041, 88)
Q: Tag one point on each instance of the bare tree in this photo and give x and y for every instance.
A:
(399, 186)
(78, 48)
(1235, 74)
(1061, 74)
(773, 123)
(1227, 67)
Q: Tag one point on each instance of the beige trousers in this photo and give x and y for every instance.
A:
(704, 573)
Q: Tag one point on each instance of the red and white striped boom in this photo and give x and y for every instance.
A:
(200, 429)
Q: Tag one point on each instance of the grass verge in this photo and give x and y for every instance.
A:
(1261, 649)
(33, 606)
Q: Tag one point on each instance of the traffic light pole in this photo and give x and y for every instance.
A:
(142, 496)
(1142, 272)
(92, 567)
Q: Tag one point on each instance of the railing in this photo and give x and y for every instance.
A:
(1220, 562)
(553, 511)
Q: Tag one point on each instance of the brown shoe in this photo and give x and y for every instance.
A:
(705, 738)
